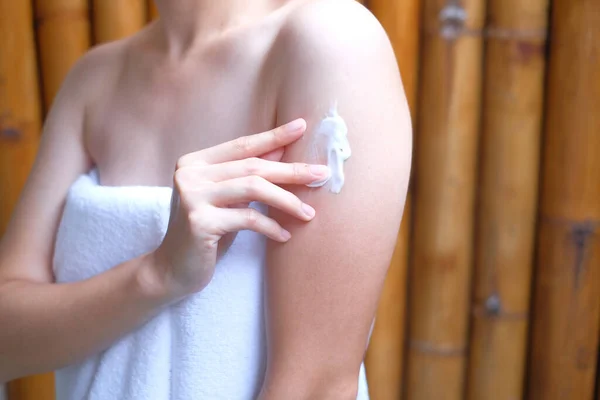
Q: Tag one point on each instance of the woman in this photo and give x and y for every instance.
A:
(95, 284)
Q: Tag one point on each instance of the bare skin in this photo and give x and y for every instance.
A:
(141, 109)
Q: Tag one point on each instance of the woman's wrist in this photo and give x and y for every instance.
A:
(152, 281)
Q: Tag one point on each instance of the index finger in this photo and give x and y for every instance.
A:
(249, 146)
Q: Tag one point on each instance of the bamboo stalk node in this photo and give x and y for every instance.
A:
(493, 305)
(453, 28)
(483, 313)
(65, 15)
(492, 309)
(442, 351)
(515, 34)
(452, 17)
(573, 224)
(581, 234)
(10, 133)
(582, 231)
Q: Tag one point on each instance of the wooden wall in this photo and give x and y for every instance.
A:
(494, 289)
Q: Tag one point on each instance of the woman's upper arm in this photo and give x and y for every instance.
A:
(27, 244)
(323, 285)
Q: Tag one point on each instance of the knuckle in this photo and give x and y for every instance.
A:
(253, 184)
(275, 135)
(188, 197)
(184, 179)
(189, 179)
(253, 165)
(242, 144)
(298, 170)
(189, 159)
(180, 180)
(251, 217)
(182, 161)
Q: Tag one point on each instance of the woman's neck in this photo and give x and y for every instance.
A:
(186, 24)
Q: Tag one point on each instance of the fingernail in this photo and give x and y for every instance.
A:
(294, 126)
(285, 235)
(308, 210)
(319, 170)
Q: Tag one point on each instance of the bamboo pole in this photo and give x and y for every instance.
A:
(115, 19)
(19, 102)
(512, 115)
(384, 361)
(598, 367)
(566, 306)
(19, 137)
(63, 32)
(598, 376)
(446, 149)
(38, 387)
(152, 10)
(385, 356)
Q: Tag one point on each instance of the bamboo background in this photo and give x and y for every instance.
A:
(494, 289)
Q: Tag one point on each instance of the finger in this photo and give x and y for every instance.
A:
(273, 171)
(234, 220)
(247, 146)
(275, 155)
(255, 188)
(239, 205)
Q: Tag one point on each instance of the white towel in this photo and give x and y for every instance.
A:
(209, 346)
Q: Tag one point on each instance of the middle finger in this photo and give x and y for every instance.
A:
(273, 171)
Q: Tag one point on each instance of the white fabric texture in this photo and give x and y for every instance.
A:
(209, 346)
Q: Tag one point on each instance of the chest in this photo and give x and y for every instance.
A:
(150, 116)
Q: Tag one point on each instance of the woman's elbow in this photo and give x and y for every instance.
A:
(320, 385)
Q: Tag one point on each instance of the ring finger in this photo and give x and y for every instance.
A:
(255, 188)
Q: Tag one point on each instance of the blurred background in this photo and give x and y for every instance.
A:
(494, 288)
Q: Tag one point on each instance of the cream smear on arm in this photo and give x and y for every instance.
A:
(329, 145)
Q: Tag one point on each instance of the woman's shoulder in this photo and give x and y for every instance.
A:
(320, 36)
(102, 64)
(93, 71)
(333, 13)
(332, 26)
(330, 40)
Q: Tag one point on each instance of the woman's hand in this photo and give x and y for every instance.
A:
(211, 191)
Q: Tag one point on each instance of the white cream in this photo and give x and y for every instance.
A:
(329, 145)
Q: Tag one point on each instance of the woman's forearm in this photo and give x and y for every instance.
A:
(46, 326)
(298, 385)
